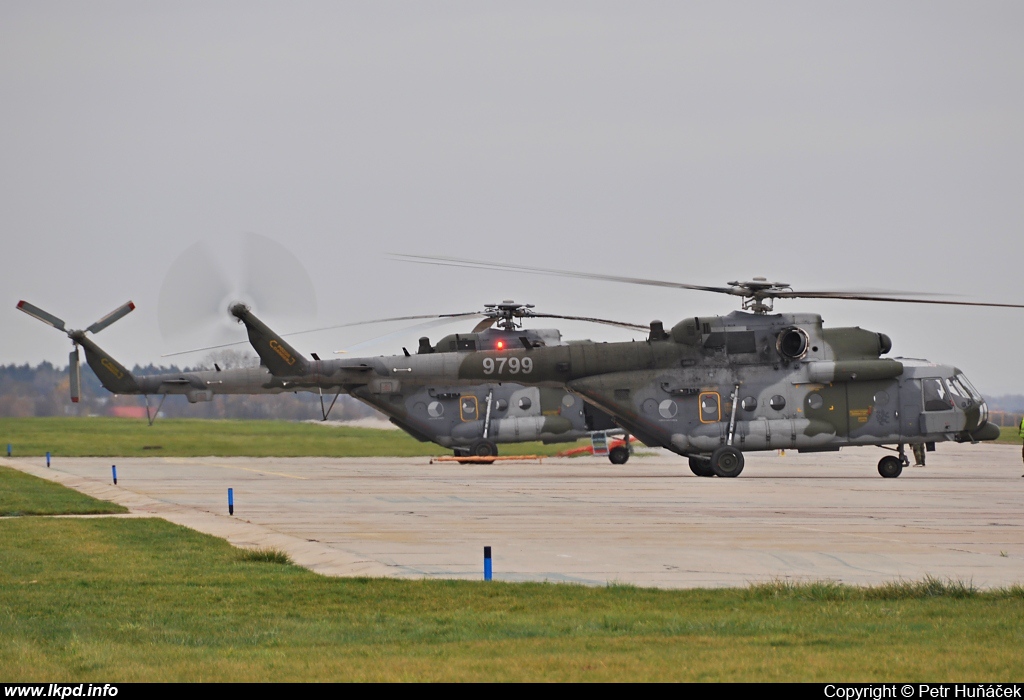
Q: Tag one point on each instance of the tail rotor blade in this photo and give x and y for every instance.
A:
(74, 375)
(44, 316)
(115, 315)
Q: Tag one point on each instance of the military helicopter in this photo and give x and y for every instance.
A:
(710, 388)
(471, 420)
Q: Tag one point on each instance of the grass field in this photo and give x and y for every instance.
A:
(144, 600)
(21, 494)
(112, 599)
(125, 437)
(1011, 435)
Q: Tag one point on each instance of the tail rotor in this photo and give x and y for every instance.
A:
(77, 337)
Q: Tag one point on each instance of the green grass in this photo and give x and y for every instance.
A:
(23, 494)
(1009, 435)
(144, 600)
(124, 437)
(107, 599)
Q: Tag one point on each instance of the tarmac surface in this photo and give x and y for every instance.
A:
(650, 522)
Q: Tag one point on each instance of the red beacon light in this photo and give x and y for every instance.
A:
(500, 345)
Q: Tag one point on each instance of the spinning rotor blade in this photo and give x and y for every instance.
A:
(74, 375)
(209, 276)
(192, 292)
(47, 318)
(748, 290)
(115, 315)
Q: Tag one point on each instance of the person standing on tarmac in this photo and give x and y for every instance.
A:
(1020, 432)
(918, 448)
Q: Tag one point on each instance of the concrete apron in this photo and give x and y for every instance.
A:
(650, 522)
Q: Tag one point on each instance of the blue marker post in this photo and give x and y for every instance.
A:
(47, 459)
(231, 501)
(113, 470)
(487, 563)
(8, 449)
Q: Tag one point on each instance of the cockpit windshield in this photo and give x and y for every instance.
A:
(961, 387)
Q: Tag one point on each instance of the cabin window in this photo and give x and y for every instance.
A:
(777, 402)
(710, 407)
(749, 403)
(468, 408)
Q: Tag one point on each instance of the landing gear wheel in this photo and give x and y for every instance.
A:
(483, 448)
(701, 466)
(618, 455)
(889, 467)
(727, 462)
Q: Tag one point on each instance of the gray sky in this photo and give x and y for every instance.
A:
(850, 146)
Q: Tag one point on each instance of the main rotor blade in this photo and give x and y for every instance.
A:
(44, 316)
(590, 319)
(115, 315)
(484, 324)
(732, 291)
(74, 375)
(443, 318)
(480, 265)
(898, 300)
(386, 320)
(407, 330)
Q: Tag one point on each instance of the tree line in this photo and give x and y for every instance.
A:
(44, 390)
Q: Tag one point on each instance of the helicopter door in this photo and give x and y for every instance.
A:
(468, 409)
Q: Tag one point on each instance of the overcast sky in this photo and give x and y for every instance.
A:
(827, 145)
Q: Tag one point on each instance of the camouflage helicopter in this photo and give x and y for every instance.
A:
(471, 420)
(710, 388)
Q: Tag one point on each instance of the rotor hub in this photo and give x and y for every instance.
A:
(506, 313)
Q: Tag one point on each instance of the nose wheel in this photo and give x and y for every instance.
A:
(618, 455)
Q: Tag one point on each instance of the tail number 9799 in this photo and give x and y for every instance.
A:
(508, 365)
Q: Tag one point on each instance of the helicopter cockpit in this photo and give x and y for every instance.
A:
(955, 391)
